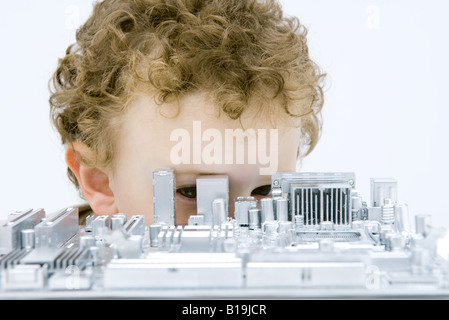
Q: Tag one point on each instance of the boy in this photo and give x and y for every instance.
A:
(145, 76)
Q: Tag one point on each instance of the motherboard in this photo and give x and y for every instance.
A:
(314, 237)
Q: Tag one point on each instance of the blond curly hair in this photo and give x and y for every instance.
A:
(235, 50)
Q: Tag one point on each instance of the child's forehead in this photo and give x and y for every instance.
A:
(149, 126)
(194, 110)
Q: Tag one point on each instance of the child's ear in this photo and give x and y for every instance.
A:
(94, 183)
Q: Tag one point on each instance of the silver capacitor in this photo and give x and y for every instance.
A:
(154, 230)
(27, 239)
(254, 217)
(267, 209)
(281, 209)
(241, 207)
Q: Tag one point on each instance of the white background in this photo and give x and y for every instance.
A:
(385, 113)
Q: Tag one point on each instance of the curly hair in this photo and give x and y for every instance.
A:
(235, 50)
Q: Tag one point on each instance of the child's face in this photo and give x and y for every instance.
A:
(144, 146)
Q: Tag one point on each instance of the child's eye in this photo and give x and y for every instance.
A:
(263, 190)
(188, 192)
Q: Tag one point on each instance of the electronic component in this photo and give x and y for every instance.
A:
(209, 188)
(164, 196)
(219, 211)
(315, 237)
(242, 205)
(267, 209)
(11, 232)
(317, 197)
(383, 188)
(57, 229)
(254, 218)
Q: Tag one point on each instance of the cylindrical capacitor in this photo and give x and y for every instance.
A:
(27, 239)
(154, 233)
(241, 206)
(281, 209)
(254, 215)
(266, 207)
(219, 214)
